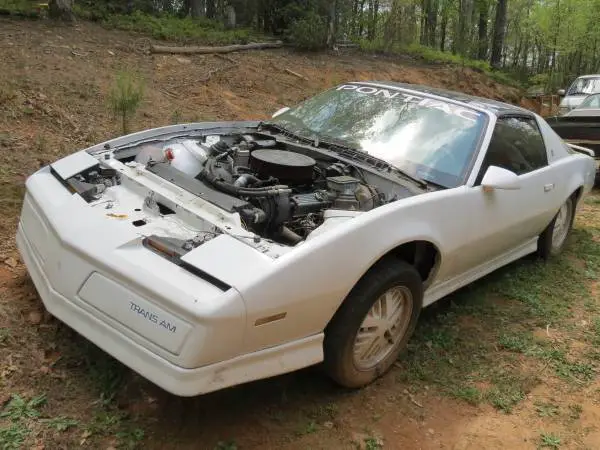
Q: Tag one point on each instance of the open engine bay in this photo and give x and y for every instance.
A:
(263, 187)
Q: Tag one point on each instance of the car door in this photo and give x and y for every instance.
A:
(503, 220)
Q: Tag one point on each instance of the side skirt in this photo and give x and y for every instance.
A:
(439, 290)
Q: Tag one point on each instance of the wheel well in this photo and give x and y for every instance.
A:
(577, 195)
(422, 255)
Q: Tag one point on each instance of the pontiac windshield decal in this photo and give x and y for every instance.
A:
(389, 94)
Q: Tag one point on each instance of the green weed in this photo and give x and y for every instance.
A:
(61, 423)
(548, 440)
(226, 445)
(19, 408)
(469, 394)
(130, 438)
(12, 437)
(546, 409)
(309, 428)
(372, 443)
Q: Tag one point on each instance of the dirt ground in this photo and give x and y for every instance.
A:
(58, 391)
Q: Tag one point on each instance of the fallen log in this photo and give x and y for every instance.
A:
(208, 50)
(296, 74)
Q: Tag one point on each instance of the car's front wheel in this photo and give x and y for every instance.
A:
(373, 324)
(553, 239)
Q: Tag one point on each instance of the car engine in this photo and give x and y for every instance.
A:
(284, 192)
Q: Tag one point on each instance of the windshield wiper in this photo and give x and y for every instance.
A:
(283, 130)
(351, 152)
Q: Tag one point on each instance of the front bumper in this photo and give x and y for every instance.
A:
(90, 275)
(172, 378)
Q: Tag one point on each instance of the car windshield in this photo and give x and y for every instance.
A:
(591, 102)
(585, 86)
(430, 139)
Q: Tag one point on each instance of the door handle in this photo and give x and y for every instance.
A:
(548, 187)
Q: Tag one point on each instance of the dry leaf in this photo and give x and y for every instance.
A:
(35, 317)
(11, 262)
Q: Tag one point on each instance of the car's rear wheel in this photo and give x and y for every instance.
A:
(553, 239)
(374, 324)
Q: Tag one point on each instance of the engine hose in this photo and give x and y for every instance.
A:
(244, 180)
(207, 174)
(289, 236)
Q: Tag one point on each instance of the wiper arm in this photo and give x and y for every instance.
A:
(283, 130)
(353, 153)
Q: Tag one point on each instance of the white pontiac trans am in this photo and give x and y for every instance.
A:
(207, 255)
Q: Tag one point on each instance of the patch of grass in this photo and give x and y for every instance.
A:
(508, 389)
(7, 93)
(103, 422)
(308, 428)
(548, 440)
(372, 443)
(130, 438)
(575, 411)
(504, 398)
(176, 117)
(546, 409)
(451, 348)
(515, 342)
(19, 408)
(542, 289)
(435, 56)
(12, 437)
(226, 445)
(563, 367)
(109, 422)
(173, 28)
(4, 335)
(18, 6)
(61, 423)
(579, 371)
(469, 394)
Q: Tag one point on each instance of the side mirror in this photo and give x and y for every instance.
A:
(561, 92)
(280, 111)
(498, 178)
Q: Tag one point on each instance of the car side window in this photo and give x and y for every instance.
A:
(516, 145)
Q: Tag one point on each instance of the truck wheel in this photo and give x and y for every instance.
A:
(374, 324)
(553, 239)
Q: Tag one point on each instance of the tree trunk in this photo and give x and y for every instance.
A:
(432, 14)
(424, 26)
(499, 32)
(197, 7)
(465, 11)
(211, 9)
(361, 18)
(444, 27)
(556, 32)
(61, 9)
(482, 30)
(331, 29)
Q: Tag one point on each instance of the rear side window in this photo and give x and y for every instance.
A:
(516, 145)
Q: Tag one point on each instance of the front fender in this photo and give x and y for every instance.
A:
(308, 284)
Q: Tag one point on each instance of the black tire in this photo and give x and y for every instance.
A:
(342, 331)
(546, 247)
